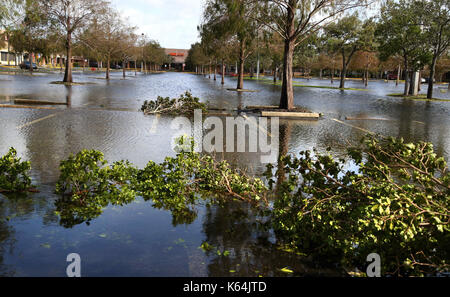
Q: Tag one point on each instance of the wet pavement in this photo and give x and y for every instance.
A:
(137, 239)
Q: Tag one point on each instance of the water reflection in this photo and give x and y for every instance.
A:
(18, 208)
(69, 96)
(237, 229)
(143, 238)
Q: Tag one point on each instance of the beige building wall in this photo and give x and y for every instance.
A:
(14, 60)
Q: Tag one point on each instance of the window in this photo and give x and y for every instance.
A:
(4, 57)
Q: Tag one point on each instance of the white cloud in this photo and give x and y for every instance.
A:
(171, 22)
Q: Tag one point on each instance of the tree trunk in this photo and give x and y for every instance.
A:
(287, 89)
(68, 73)
(9, 50)
(407, 85)
(223, 73)
(321, 73)
(275, 74)
(332, 76)
(414, 83)
(240, 83)
(431, 79)
(367, 77)
(215, 71)
(31, 62)
(107, 67)
(398, 76)
(343, 74)
(124, 73)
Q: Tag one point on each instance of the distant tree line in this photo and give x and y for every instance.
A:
(91, 29)
(325, 38)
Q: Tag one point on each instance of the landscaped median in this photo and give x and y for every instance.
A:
(275, 111)
(419, 97)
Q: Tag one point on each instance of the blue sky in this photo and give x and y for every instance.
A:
(171, 22)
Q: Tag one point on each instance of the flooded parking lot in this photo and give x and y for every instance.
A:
(139, 240)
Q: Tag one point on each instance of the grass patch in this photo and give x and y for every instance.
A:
(417, 98)
(320, 87)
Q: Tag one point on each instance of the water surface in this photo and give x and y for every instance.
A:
(139, 240)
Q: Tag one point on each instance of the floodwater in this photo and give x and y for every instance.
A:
(138, 239)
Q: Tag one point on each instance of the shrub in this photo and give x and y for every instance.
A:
(177, 184)
(186, 104)
(395, 204)
(14, 173)
(85, 176)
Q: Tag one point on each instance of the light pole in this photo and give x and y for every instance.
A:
(143, 45)
(257, 48)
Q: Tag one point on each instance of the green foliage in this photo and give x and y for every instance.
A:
(178, 184)
(399, 33)
(14, 173)
(190, 173)
(396, 204)
(89, 186)
(84, 177)
(186, 104)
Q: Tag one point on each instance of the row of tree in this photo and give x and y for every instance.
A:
(92, 29)
(327, 35)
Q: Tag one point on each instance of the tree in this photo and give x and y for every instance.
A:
(275, 49)
(307, 54)
(70, 16)
(295, 21)
(127, 50)
(196, 57)
(437, 32)
(399, 32)
(234, 18)
(442, 67)
(109, 36)
(11, 16)
(396, 203)
(154, 54)
(216, 41)
(29, 35)
(344, 38)
(368, 47)
(365, 62)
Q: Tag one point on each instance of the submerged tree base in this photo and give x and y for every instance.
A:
(186, 104)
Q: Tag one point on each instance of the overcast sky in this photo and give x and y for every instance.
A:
(171, 22)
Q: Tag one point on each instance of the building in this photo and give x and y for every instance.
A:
(178, 56)
(14, 59)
